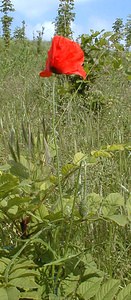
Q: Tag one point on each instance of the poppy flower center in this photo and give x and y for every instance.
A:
(54, 70)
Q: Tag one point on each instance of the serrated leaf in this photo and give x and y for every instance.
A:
(89, 288)
(69, 284)
(23, 264)
(23, 273)
(125, 293)
(24, 283)
(108, 290)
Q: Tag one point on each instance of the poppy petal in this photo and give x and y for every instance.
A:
(64, 57)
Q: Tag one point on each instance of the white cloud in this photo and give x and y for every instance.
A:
(34, 8)
(48, 31)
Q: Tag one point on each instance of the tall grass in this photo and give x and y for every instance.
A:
(87, 124)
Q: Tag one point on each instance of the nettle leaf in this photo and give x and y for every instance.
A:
(78, 158)
(108, 290)
(23, 273)
(23, 264)
(10, 293)
(119, 219)
(89, 288)
(125, 293)
(25, 283)
(69, 284)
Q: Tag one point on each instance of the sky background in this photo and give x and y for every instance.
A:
(90, 14)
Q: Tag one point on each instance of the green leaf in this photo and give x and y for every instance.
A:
(115, 147)
(129, 77)
(69, 284)
(17, 201)
(78, 158)
(119, 219)
(8, 183)
(13, 210)
(111, 203)
(93, 202)
(3, 294)
(2, 267)
(108, 290)
(125, 293)
(18, 169)
(23, 264)
(23, 273)
(68, 168)
(43, 211)
(24, 283)
(30, 295)
(9, 293)
(101, 153)
(89, 288)
(13, 293)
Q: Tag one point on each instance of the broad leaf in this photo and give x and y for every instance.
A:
(119, 219)
(89, 288)
(108, 290)
(9, 293)
(24, 283)
(125, 293)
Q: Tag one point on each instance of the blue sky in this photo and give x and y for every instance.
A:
(90, 14)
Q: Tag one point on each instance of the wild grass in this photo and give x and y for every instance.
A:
(83, 123)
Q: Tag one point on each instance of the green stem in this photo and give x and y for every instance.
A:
(72, 213)
(56, 147)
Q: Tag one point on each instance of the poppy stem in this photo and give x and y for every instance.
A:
(56, 146)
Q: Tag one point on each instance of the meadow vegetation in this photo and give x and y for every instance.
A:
(65, 174)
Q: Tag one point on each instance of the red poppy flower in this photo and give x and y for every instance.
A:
(64, 57)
